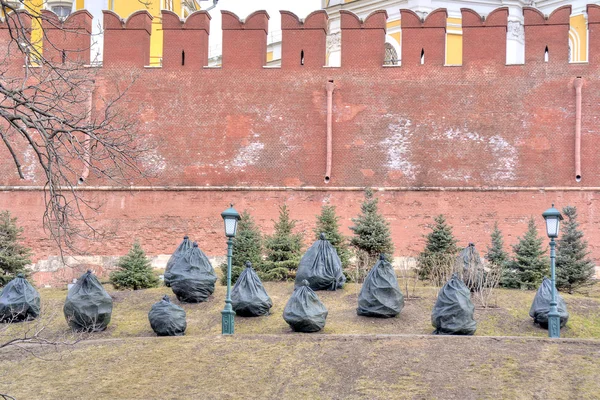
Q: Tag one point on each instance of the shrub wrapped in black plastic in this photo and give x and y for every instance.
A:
(541, 305)
(321, 267)
(453, 310)
(19, 301)
(88, 307)
(167, 319)
(249, 297)
(380, 295)
(193, 277)
(181, 251)
(470, 267)
(304, 312)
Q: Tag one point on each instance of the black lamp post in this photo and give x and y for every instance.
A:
(231, 218)
(553, 218)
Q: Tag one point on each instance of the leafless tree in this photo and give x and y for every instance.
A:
(363, 264)
(408, 276)
(442, 267)
(49, 108)
(481, 278)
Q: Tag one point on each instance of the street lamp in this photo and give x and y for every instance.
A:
(553, 218)
(231, 218)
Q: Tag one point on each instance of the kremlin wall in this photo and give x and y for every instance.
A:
(481, 142)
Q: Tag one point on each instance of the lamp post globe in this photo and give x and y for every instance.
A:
(552, 218)
(230, 219)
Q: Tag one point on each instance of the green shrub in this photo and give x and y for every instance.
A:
(573, 267)
(371, 230)
(283, 248)
(247, 246)
(529, 264)
(13, 255)
(135, 271)
(496, 255)
(328, 223)
(371, 237)
(438, 257)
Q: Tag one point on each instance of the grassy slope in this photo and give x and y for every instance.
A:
(266, 360)
(511, 318)
(311, 367)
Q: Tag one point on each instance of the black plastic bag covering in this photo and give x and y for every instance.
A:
(249, 297)
(181, 251)
(193, 277)
(470, 267)
(321, 267)
(380, 295)
(541, 305)
(19, 301)
(304, 312)
(453, 310)
(167, 319)
(88, 307)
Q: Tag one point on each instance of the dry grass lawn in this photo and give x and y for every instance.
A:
(510, 318)
(353, 358)
(316, 366)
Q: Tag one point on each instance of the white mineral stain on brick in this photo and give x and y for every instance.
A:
(506, 159)
(462, 134)
(397, 146)
(29, 164)
(504, 155)
(153, 162)
(248, 155)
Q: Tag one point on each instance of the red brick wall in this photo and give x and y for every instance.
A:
(481, 125)
(160, 219)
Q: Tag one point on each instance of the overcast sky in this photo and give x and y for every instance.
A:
(243, 8)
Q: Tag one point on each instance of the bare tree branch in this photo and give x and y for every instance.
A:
(49, 107)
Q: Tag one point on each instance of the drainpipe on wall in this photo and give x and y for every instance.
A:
(86, 148)
(329, 87)
(578, 84)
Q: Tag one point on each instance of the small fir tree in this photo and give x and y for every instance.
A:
(328, 223)
(371, 230)
(283, 248)
(247, 246)
(440, 250)
(13, 255)
(496, 255)
(529, 264)
(371, 238)
(135, 271)
(573, 268)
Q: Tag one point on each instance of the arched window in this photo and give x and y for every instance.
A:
(391, 56)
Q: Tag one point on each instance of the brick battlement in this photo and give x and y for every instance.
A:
(430, 136)
(185, 42)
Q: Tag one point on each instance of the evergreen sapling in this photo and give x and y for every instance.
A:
(13, 255)
(371, 237)
(496, 255)
(135, 271)
(437, 259)
(247, 246)
(573, 267)
(529, 264)
(283, 248)
(328, 223)
(371, 230)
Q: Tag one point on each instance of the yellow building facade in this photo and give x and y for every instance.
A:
(577, 35)
(124, 8)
